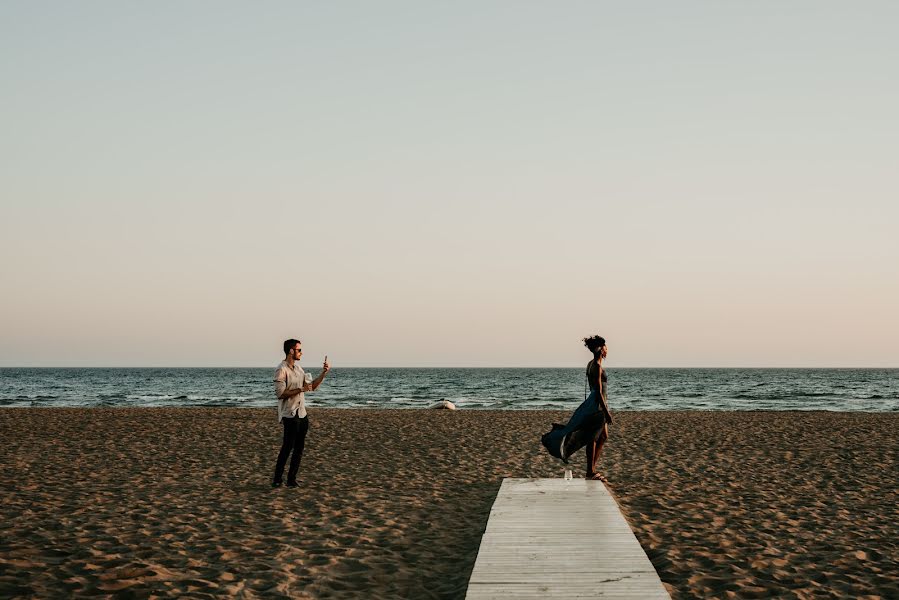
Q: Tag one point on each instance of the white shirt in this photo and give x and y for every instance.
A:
(287, 379)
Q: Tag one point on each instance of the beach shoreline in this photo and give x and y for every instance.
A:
(145, 502)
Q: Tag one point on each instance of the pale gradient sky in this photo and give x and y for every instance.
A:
(449, 184)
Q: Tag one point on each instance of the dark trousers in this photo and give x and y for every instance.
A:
(295, 430)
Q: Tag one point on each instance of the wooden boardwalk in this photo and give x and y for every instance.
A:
(551, 538)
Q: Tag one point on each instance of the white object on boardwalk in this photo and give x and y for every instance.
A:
(552, 538)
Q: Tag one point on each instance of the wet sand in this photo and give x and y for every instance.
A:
(166, 502)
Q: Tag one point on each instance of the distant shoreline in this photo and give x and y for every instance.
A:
(313, 409)
(346, 368)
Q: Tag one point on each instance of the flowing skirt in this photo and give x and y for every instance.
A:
(583, 427)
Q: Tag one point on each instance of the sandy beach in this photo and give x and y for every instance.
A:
(165, 502)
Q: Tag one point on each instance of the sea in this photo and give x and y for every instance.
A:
(868, 390)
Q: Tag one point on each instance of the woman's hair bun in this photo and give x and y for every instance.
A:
(594, 342)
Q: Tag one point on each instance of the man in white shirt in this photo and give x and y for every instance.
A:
(290, 385)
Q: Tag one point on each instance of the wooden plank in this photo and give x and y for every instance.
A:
(551, 538)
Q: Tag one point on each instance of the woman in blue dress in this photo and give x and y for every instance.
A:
(588, 426)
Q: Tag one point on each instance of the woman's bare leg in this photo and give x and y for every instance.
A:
(597, 448)
(591, 458)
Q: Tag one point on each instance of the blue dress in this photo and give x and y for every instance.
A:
(583, 427)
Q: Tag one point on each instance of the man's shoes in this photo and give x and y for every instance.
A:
(292, 484)
(276, 484)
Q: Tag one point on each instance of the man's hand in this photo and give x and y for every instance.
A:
(326, 366)
(291, 393)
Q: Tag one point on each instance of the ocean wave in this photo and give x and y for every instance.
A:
(786, 396)
(105, 402)
(17, 402)
(199, 398)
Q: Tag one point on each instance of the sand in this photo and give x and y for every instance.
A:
(392, 504)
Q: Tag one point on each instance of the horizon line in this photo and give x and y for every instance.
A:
(435, 367)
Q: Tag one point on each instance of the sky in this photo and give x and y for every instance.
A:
(706, 184)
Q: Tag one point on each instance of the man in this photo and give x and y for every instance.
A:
(290, 384)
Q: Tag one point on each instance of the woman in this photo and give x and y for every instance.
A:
(588, 427)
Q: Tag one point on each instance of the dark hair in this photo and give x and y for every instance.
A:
(289, 344)
(594, 343)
